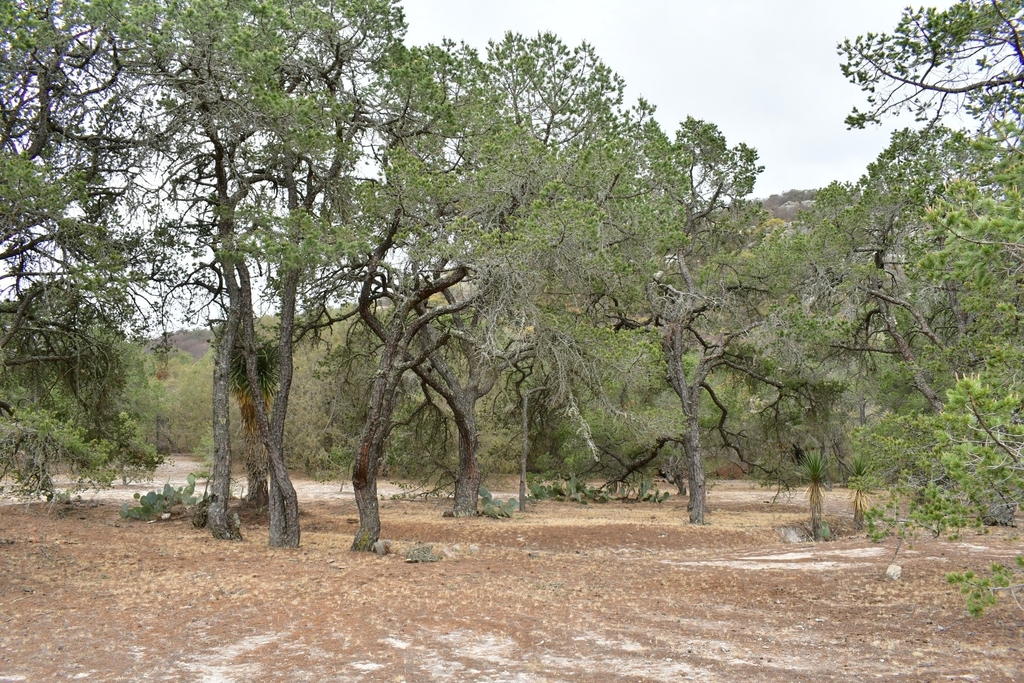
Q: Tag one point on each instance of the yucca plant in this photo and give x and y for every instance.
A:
(814, 469)
(859, 483)
(268, 365)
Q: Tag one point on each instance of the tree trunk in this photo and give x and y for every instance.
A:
(371, 446)
(461, 398)
(397, 336)
(220, 487)
(284, 503)
(920, 380)
(375, 432)
(697, 504)
(467, 485)
(816, 505)
(858, 515)
(688, 390)
(526, 451)
(256, 473)
(284, 525)
(677, 473)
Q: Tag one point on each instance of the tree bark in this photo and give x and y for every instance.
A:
(217, 514)
(397, 337)
(467, 485)
(698, 501)
(220, 488)
(371, 446)
(816, 505)
(526, 451)
(256, 472)
(284, 504)
(688, 390)
(920, 380)
(284, 527)
(461, 397)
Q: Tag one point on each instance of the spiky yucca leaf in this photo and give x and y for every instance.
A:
(268, 367)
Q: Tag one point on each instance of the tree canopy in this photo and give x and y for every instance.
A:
(428, 260)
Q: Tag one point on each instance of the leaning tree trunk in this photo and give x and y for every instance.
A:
(677, 472)
(461, 398)
(283, 500)
(364, 486)
(371, 447)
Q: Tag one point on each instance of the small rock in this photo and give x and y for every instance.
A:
(474, 549)
(447, 552)
(421, 553)
(894, 572)
(166, 515)
(791, 534)
(457, 548)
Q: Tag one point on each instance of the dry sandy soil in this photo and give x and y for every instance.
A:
(616, 592)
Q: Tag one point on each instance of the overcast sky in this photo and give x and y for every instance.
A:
(765, 71)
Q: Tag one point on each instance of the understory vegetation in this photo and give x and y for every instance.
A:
(436, 265)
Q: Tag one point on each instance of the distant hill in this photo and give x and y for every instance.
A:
(785, 206)
(194, 342)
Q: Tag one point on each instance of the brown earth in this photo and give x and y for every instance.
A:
(616, 592)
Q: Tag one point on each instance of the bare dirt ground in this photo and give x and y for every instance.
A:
(616, 592)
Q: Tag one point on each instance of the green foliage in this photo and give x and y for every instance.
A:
(862, 482)
(35, 447)
(937, 61)
(643, 490)
(38, 445)
(493, 507)
(945, 471)
(183, 412)
(576, 490)
(980, 591)
(154, 503)
(268, 369)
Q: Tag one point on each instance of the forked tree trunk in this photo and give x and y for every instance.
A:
(461, 396)
(283, 501)
(397, 337)
(689, 389)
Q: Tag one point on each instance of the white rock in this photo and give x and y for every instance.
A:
(792, 535)
(894, 572)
